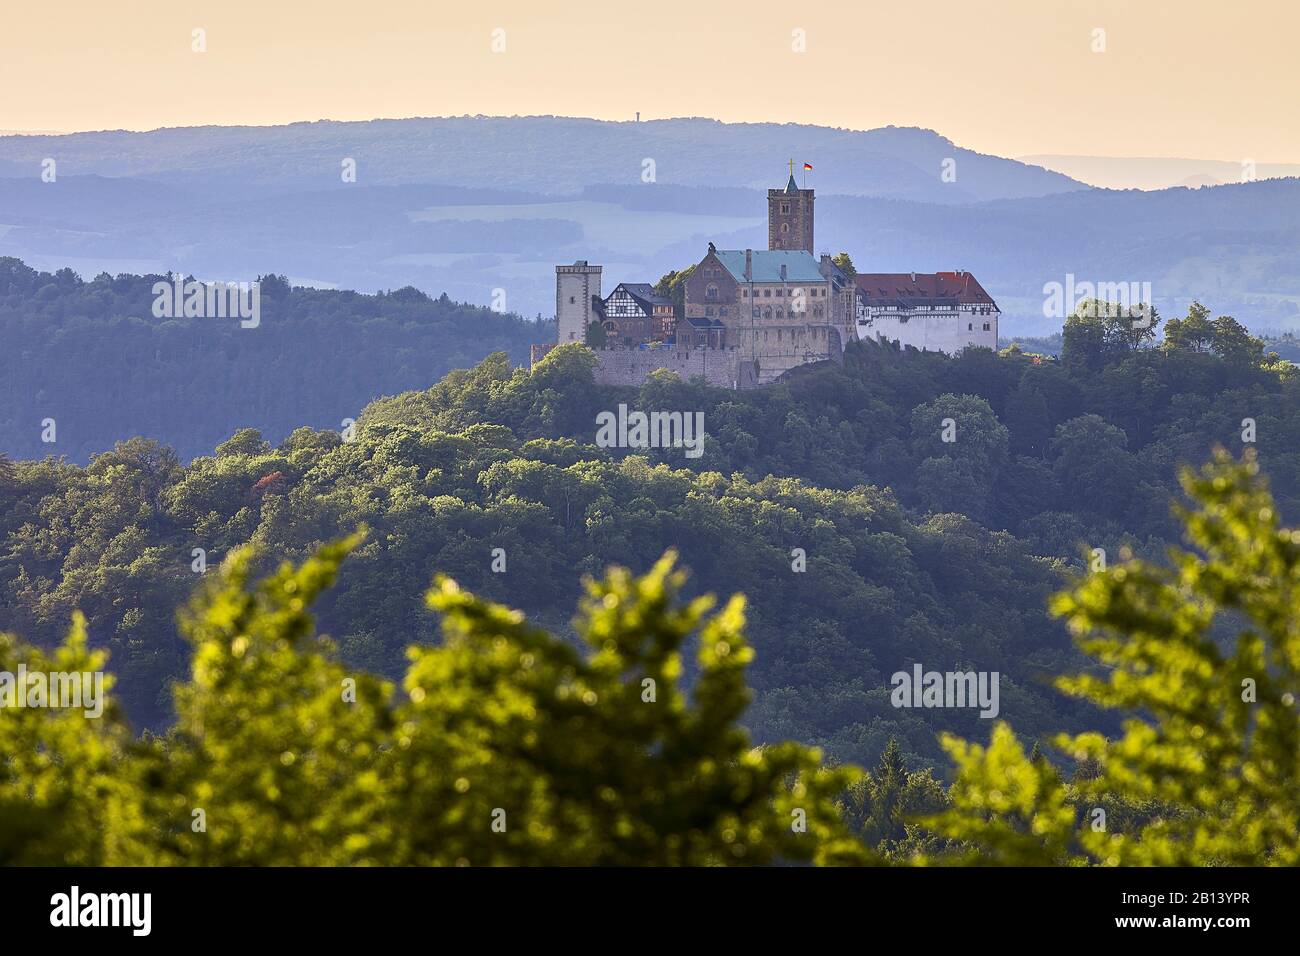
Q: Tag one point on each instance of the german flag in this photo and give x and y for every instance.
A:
(807, 167)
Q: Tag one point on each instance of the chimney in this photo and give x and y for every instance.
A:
(913, 276)
(749, 265)
(783, 272)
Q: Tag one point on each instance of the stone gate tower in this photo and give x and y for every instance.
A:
(790, 217)
(575, 286)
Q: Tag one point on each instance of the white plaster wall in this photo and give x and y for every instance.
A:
(931, 331)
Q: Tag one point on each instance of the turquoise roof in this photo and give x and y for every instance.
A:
(800, 266)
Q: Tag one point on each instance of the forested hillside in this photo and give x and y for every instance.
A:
(92, 356)
(918, 550)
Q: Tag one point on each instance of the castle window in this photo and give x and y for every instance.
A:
(767, 312)
(711, 292)
(986, 327)
(723, 311)
(785, 211)
(767, 293)
(709, 311)
(572, 300)
(970, 327)
(785, 228)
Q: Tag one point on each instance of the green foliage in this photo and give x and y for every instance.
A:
(508, 746)
(1099, 332)
(1222, 739)
(596, 335)
(884, 805)
(1010, 810)
(845, 461)
(91, 355)
(286, 769)
(602, 758)
(63, 796)
(1207, 768)
(845, 263)
(672, 285)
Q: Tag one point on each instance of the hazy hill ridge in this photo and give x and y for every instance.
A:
(477, 206)
(540, 154)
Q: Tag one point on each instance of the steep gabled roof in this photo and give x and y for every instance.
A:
(906, 289)
(644, 294)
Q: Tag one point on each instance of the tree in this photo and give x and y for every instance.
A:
(596, 335)
(61, 783)
(672, 285)
(601, 756)
(1093, 464)
(962, 445)
(1083, 344)
(845, 263)
(509, 746)
(1233, 343)
(883, 805)
(1195, 333)
(1100, 332)
(1212, 737)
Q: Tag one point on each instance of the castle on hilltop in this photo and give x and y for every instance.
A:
(740, 318)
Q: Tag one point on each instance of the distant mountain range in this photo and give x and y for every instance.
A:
(483, 207)
(538, 154)
(1130, 172)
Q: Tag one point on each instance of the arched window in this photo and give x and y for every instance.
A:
(711, 292)
(767, 312)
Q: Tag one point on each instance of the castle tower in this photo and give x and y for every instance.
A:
(790, 217)
(575, 286)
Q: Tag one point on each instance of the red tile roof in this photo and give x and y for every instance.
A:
(922, 288)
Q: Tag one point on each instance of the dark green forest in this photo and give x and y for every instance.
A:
(92, 356)
(917, 549)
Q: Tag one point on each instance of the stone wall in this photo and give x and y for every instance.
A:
(778, 349)
(719, 367)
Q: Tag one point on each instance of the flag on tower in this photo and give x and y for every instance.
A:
(807, 167)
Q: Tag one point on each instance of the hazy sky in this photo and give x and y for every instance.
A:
(1178, 77)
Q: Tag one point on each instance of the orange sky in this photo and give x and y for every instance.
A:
(1186, 78)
